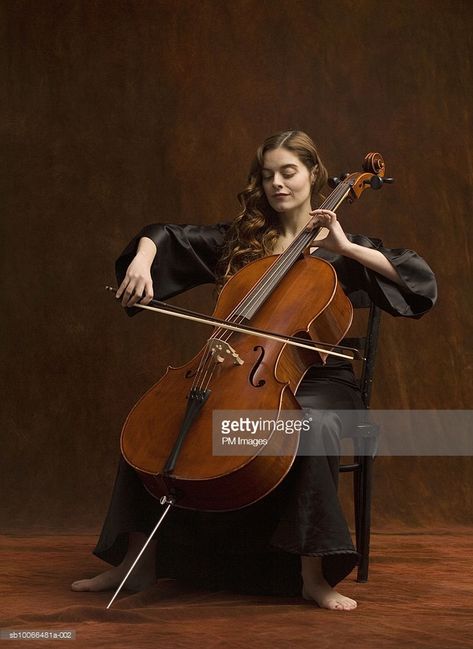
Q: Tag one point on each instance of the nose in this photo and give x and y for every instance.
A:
(277, 181)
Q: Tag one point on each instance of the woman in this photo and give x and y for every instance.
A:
(295, 538)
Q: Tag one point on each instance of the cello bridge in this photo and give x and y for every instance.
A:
(220, 350)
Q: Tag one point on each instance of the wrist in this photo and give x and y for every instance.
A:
(349, 249)
(146, 249)
(143, 253)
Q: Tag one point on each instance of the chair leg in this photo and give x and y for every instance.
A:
(363, 543)
(357, 502)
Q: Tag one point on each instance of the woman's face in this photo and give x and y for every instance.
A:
(287, 182)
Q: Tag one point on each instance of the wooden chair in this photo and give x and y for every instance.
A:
(365, 435)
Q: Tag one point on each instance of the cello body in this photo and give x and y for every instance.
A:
(307, 302)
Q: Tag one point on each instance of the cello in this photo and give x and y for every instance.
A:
(167, 437)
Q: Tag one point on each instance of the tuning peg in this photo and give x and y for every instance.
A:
(333, 182)
(377, 182)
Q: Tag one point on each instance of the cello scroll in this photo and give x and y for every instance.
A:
(373, 176)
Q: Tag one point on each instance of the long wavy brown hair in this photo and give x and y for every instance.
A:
(254, 232)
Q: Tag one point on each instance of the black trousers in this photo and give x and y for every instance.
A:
(256, 549)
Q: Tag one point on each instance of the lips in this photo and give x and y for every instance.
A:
(280, 195)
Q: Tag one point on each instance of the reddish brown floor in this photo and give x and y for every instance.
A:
(419, 595)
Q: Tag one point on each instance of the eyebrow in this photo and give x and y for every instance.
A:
(283, 167)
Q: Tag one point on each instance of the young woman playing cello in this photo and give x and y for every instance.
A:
(295, 539)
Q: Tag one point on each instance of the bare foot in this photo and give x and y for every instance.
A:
(316, 587)
(141, 577)
(326, 597)
(110, 579)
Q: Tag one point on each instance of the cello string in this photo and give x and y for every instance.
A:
(210, 361)
(203, 368)
(200, 369)
(205, 386)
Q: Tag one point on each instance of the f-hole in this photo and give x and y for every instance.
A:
(256, 366)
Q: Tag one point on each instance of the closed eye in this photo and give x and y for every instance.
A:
(283, 175)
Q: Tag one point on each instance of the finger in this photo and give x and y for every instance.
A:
(329, 216)
(318, 219)
(122, 287)
(148, 293)
(128, 292)
(137, 293)
(323, 213)
(312, 223)
(126, 297)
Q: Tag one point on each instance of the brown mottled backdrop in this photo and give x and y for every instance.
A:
(120, 113)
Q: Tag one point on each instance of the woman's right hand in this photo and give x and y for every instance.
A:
(137, 285)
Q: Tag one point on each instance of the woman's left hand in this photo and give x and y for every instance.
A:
(336, 240)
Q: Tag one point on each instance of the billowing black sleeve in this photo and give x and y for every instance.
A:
(187, 256)
(416, 296)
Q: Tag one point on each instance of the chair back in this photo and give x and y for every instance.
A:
(367, 321)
